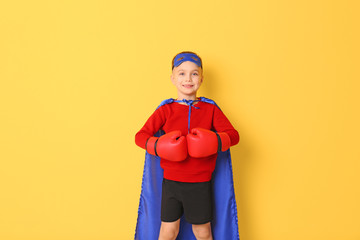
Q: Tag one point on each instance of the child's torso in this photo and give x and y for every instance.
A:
(177, 118)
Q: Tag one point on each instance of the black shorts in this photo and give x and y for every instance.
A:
(194, 200)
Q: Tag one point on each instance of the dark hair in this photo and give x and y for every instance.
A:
(172, 63)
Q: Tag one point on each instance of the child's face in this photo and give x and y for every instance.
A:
(187, 78)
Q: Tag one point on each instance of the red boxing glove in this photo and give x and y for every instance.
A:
(170, 146)
(203, 142)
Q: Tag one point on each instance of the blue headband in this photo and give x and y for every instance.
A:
(183, 57)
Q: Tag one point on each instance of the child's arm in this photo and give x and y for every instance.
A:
(152, 126)
(171, 146)
(222, 124)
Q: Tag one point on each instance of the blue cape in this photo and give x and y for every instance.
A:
(225, 222)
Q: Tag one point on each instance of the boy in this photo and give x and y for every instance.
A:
(188, 149)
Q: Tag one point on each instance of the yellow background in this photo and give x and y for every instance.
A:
(78, 79)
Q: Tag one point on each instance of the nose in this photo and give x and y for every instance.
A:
(188, 78)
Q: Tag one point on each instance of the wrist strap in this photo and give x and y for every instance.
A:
(219, 142)
(146, 143)
(155, 146)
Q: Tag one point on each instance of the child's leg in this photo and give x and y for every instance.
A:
(169, 230)
(202, 231)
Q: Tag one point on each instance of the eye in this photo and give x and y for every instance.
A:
(195, 74)
(181, 73)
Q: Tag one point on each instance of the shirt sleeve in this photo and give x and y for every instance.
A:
(222, 124)
(152, 126)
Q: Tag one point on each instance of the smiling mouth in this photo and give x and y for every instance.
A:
(188, 85)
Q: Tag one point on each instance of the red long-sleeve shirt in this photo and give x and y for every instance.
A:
(174, 116)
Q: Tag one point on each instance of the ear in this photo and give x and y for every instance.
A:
(172, 79)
